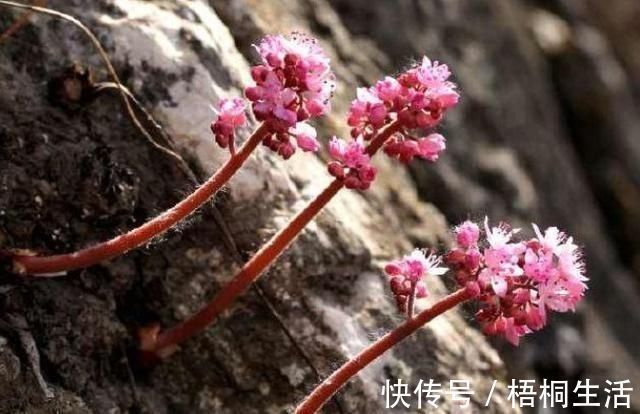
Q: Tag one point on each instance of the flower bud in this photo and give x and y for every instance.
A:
(467, 234)
(473, 289)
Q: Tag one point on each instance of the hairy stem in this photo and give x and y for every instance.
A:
(412, 301)
(260, 291)
(167, 340)
(57, 264)
(321, 394)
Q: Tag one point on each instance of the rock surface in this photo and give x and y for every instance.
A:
(528, 143)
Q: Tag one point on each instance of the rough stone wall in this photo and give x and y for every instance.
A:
(75, 175)
(522, 146)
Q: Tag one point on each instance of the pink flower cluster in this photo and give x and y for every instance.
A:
(405, 150)
(293, 84)
(406, 276)
(517, 282)
(230, 116)
(417, 99)
(352, 164)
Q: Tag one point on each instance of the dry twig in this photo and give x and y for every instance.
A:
(110, 68)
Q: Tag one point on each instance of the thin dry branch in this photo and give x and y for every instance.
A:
(110, 68)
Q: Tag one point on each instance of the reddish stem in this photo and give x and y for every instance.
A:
(412, 300)
(166, 341)
(321, 394)
(56, 265)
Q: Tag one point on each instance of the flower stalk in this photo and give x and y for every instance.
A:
(515, 284)
(412, 300)
(165, 342)
(57, 265)
(323, 392)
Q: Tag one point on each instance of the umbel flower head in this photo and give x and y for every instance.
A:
(415, 101)
(418, 99)
(517, 283)
(406, 276)
(294, 83)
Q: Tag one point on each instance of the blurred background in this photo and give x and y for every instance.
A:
(548, 131)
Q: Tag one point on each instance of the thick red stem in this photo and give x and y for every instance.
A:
(167, 340)
(323, 392)
(56, 265)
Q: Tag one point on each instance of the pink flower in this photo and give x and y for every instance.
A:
(231, 111)
(388, 89)
(405, 150)
(273, 103)
(401, 149)
(368, 112)
(467, 234)
(516, 283)
(538, 265)
(407, 273)
(293, 83)
(352, 164)
(431, 146)
(444, 96)
(230, 116)
(555, 262)
(432, 74)
(305, 137)
(501, 258)
(416, 99)
(354, 155)
(281, 143)
(277, 51)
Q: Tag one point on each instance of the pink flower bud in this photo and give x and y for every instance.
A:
(230, 116)
(421, 290)
(431, 147)
(367, 173)
(273, 60)
(336, 169)
(377, 115)
(259, 73)
(352, 182)
(396, 285)
(473, 289)
(393, 269)
(472, 259)
(253, 93)
(286, 150)
(291, 59)
(467, 234)
(316, 107)
(455, 257)
(305, 137)
(222, 141)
